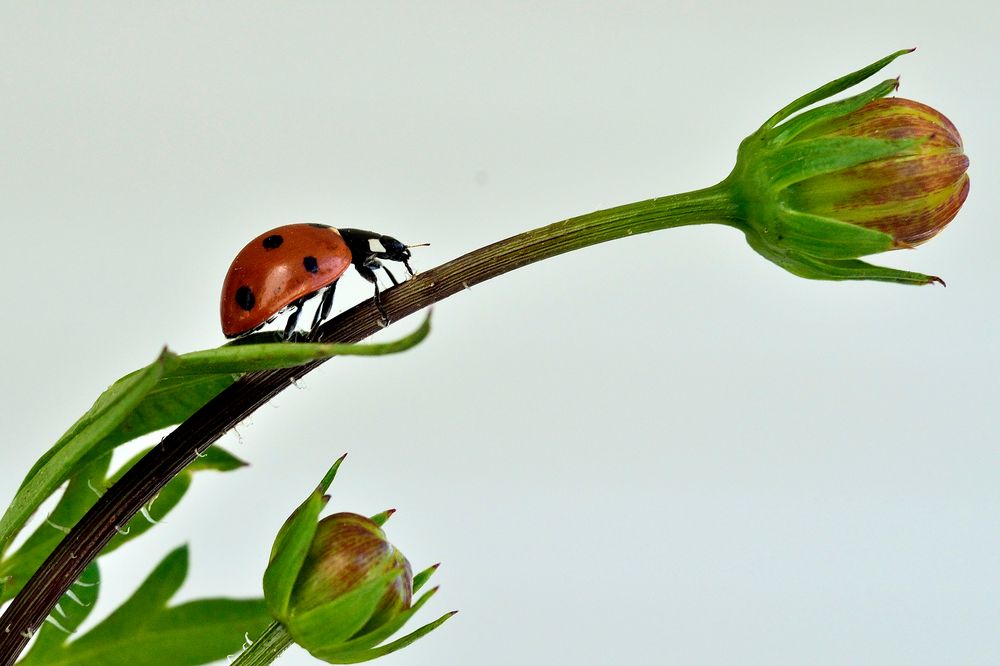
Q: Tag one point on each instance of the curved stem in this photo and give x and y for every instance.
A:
(141, 483)
(268, 647)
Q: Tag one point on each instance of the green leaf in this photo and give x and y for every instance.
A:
(164, 393)
(145, 632)
(57, 464)
(75, 501)
(215, 458)
(170, 402)
(832, 88)
(66, 617)
(82, 492)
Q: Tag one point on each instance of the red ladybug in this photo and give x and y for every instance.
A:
(285, 267)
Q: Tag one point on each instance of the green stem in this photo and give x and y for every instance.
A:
(714, 204)
(145, 479)
(268, 647)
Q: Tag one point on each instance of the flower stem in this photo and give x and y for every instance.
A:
(268, 647)
(143, 481)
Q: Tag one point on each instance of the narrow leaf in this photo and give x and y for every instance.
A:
(145, 632)
(66, 617)
(58, 463)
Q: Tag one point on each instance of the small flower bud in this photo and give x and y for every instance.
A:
(338, 587)
(347, 552)
(820, 189)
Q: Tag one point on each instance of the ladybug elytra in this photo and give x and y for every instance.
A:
(284, 267)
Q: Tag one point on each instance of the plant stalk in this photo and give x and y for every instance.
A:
(144, 480)
(268, 647)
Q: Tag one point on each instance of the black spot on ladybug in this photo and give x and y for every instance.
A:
(273, 241)
(311, 264)
(319, 226)
(245, 298)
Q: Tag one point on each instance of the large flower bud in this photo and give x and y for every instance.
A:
(847, 179)
(909, 196)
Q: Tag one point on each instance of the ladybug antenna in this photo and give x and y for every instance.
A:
(418, 245)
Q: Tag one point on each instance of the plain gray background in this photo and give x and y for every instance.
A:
(663, 450)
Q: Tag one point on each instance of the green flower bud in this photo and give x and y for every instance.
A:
(338, 587)
(863, 175)
(348, 552)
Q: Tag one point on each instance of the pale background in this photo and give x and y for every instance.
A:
(663, 450)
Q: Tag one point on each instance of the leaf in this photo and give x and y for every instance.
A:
(162, 394)
(58, 463)
(145, 632)
(215, 458)
(66, 617)
(82, 492)
(170, 402)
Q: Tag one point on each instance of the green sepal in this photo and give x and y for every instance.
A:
(291, 546)
(815, 268)
(421, 578)
(801, 160)
(792, 128)
(364, 647)
(832, 88)
(398, 644)
(827, 238)
(336, 621)
(380, 518)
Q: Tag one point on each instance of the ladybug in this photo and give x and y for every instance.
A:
(284, 267)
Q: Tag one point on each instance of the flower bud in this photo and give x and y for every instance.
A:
(849, 178)
(910, 196)
(338, 587)
(349, 551)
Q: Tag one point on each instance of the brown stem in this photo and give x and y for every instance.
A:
(145, 479)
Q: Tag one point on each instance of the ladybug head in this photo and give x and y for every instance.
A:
(394, 250)
(397, 251)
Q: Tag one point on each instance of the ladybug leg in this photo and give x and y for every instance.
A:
(392, 277)
(293, 318)
(365, 270)
(323, 311)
